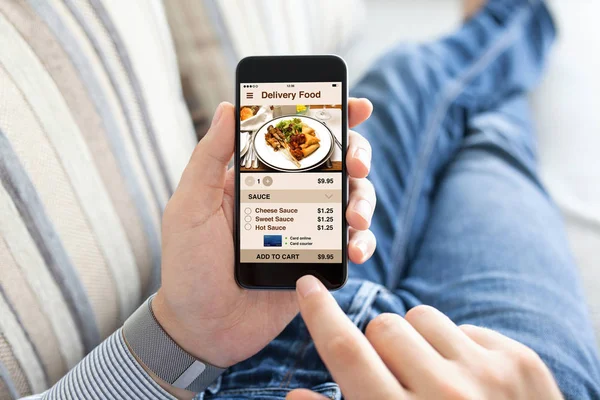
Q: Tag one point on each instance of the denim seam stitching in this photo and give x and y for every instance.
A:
(287, 379)
(453, 91)
(357, 301)
(366, 303)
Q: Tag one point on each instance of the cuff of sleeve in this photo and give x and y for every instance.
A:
(109, 371)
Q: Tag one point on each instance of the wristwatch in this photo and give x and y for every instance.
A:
(159, 353)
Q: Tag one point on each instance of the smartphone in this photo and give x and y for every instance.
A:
(291, 182)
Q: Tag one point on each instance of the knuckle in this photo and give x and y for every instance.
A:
(354, 135)
(381, 324)
(528, 362)
(364, 185)
(492, 375)
(496, 376)
(365, 144)
(360, 141)
(373, 194)
(343, 347)
(370, 237)
(468, 328)
(369, 187)
(418, 312)
(364, 189)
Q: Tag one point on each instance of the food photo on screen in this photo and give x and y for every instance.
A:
(291, 138)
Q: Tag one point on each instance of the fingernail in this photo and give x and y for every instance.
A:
(217, 116)
(362, 246)
(364, 208)
(363, 155)
(308, 285)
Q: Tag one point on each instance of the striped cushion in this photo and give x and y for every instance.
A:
(94, 134)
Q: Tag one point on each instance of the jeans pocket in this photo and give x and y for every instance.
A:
(330, 390)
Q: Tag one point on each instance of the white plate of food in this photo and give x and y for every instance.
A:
(293, 143)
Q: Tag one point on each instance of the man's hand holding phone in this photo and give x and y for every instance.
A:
(203, 309)
(199, 303)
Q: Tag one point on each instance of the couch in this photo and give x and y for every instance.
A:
(98, 117)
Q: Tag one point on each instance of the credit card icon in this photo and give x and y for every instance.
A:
(272, 240)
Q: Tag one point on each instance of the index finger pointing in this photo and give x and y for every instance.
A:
(346, 352)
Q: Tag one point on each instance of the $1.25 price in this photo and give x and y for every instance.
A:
(324, 227)
(325, 210)
(324, 219)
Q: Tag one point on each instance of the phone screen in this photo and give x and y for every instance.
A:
(291, 182)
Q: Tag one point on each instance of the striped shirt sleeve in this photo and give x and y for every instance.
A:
(110, 371)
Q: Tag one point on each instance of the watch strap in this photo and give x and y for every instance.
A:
(159, 352)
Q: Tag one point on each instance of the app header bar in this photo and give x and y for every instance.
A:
(306, 93)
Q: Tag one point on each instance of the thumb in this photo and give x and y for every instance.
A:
(205, 174)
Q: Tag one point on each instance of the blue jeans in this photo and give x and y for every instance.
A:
(462, 221)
